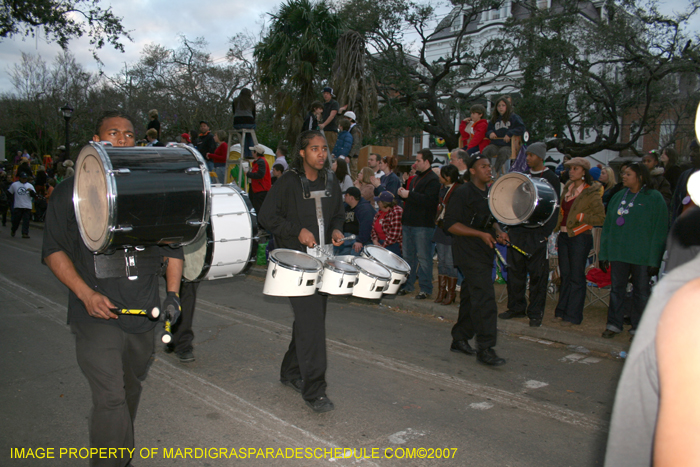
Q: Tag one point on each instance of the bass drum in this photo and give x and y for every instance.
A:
(518, 199)
(230, 243)
(128, 197)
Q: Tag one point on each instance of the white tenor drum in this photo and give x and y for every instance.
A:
(291, 273)
(400, 270)
(373, 280)
(339, 277)
(230, 243)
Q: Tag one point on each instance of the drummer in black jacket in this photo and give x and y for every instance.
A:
(473, 228)
(292, 220)
(534, 242)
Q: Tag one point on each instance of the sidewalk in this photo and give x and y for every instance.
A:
(587, 334)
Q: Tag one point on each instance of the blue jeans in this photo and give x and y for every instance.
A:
(417, 251)
(245, 145)
(573, 252)
(445, 265)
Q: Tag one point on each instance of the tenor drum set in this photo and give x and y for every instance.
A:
(376, 273)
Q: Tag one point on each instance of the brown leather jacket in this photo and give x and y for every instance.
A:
(586, 212)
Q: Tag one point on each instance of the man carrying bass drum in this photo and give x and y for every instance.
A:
(292, 220)
(113, 351)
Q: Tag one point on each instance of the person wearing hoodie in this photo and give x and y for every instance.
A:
(656, 172)
(473, 130)
(581, 210)
(503, 126)
(359, 215)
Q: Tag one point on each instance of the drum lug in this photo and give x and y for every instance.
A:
(193, 170)
(274, 272)
(374, 284)
(124, 228)
(194, 222)
(120, 172)
(301, 280)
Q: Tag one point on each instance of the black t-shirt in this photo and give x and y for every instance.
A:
(61, 233)
(328, 107)
(285, 211)
(469, 206)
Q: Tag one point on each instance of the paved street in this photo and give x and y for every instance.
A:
(395, 384)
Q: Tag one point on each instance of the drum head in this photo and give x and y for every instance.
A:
(195, 258)
(91, 198)
(512, 198)
(388, 259)
(372, 268)
(340, 266)
(296, 260)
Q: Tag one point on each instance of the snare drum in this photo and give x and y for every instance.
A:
(231, 240)
(291, 273)
(518, 199)
(140, 196)
(399, 268)
(373, 280)
(338, 278)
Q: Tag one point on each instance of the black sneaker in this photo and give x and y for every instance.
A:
(609, 334)
(535, 322)
(321, 404)
(403, 292)
(489, 357)
(295, 384)
(462, 346)
(422, 296)
(186, 357)
(12, 232)
(167, 348)
(511, 315)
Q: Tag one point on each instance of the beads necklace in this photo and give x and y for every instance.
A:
(624, 208)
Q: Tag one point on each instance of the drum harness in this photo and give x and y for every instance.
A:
(321, 251)
(129, 262)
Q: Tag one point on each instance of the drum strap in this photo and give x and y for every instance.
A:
(128, 263)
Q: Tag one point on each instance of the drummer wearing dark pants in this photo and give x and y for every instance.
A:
(291, 217)
(113, 351)
(470, 222)
(182, 331)
(532, 240)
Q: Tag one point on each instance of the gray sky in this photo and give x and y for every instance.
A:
(161, 21)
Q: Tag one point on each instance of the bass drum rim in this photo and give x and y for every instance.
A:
(531, 209)
(100, 245)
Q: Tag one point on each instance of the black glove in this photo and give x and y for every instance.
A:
(171, 307)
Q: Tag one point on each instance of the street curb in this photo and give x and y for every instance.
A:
(429, 308)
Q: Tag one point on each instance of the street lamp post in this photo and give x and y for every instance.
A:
(67, 112)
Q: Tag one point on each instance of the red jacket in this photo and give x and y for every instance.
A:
(478, 138)
(220, 155)
(259, 175)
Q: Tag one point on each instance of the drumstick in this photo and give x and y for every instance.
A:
(153, 313)
(344, 239)
(516, 248)
(500, 256)
(167, 336)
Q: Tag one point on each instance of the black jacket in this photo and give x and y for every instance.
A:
(420, 208)
(285, 211)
